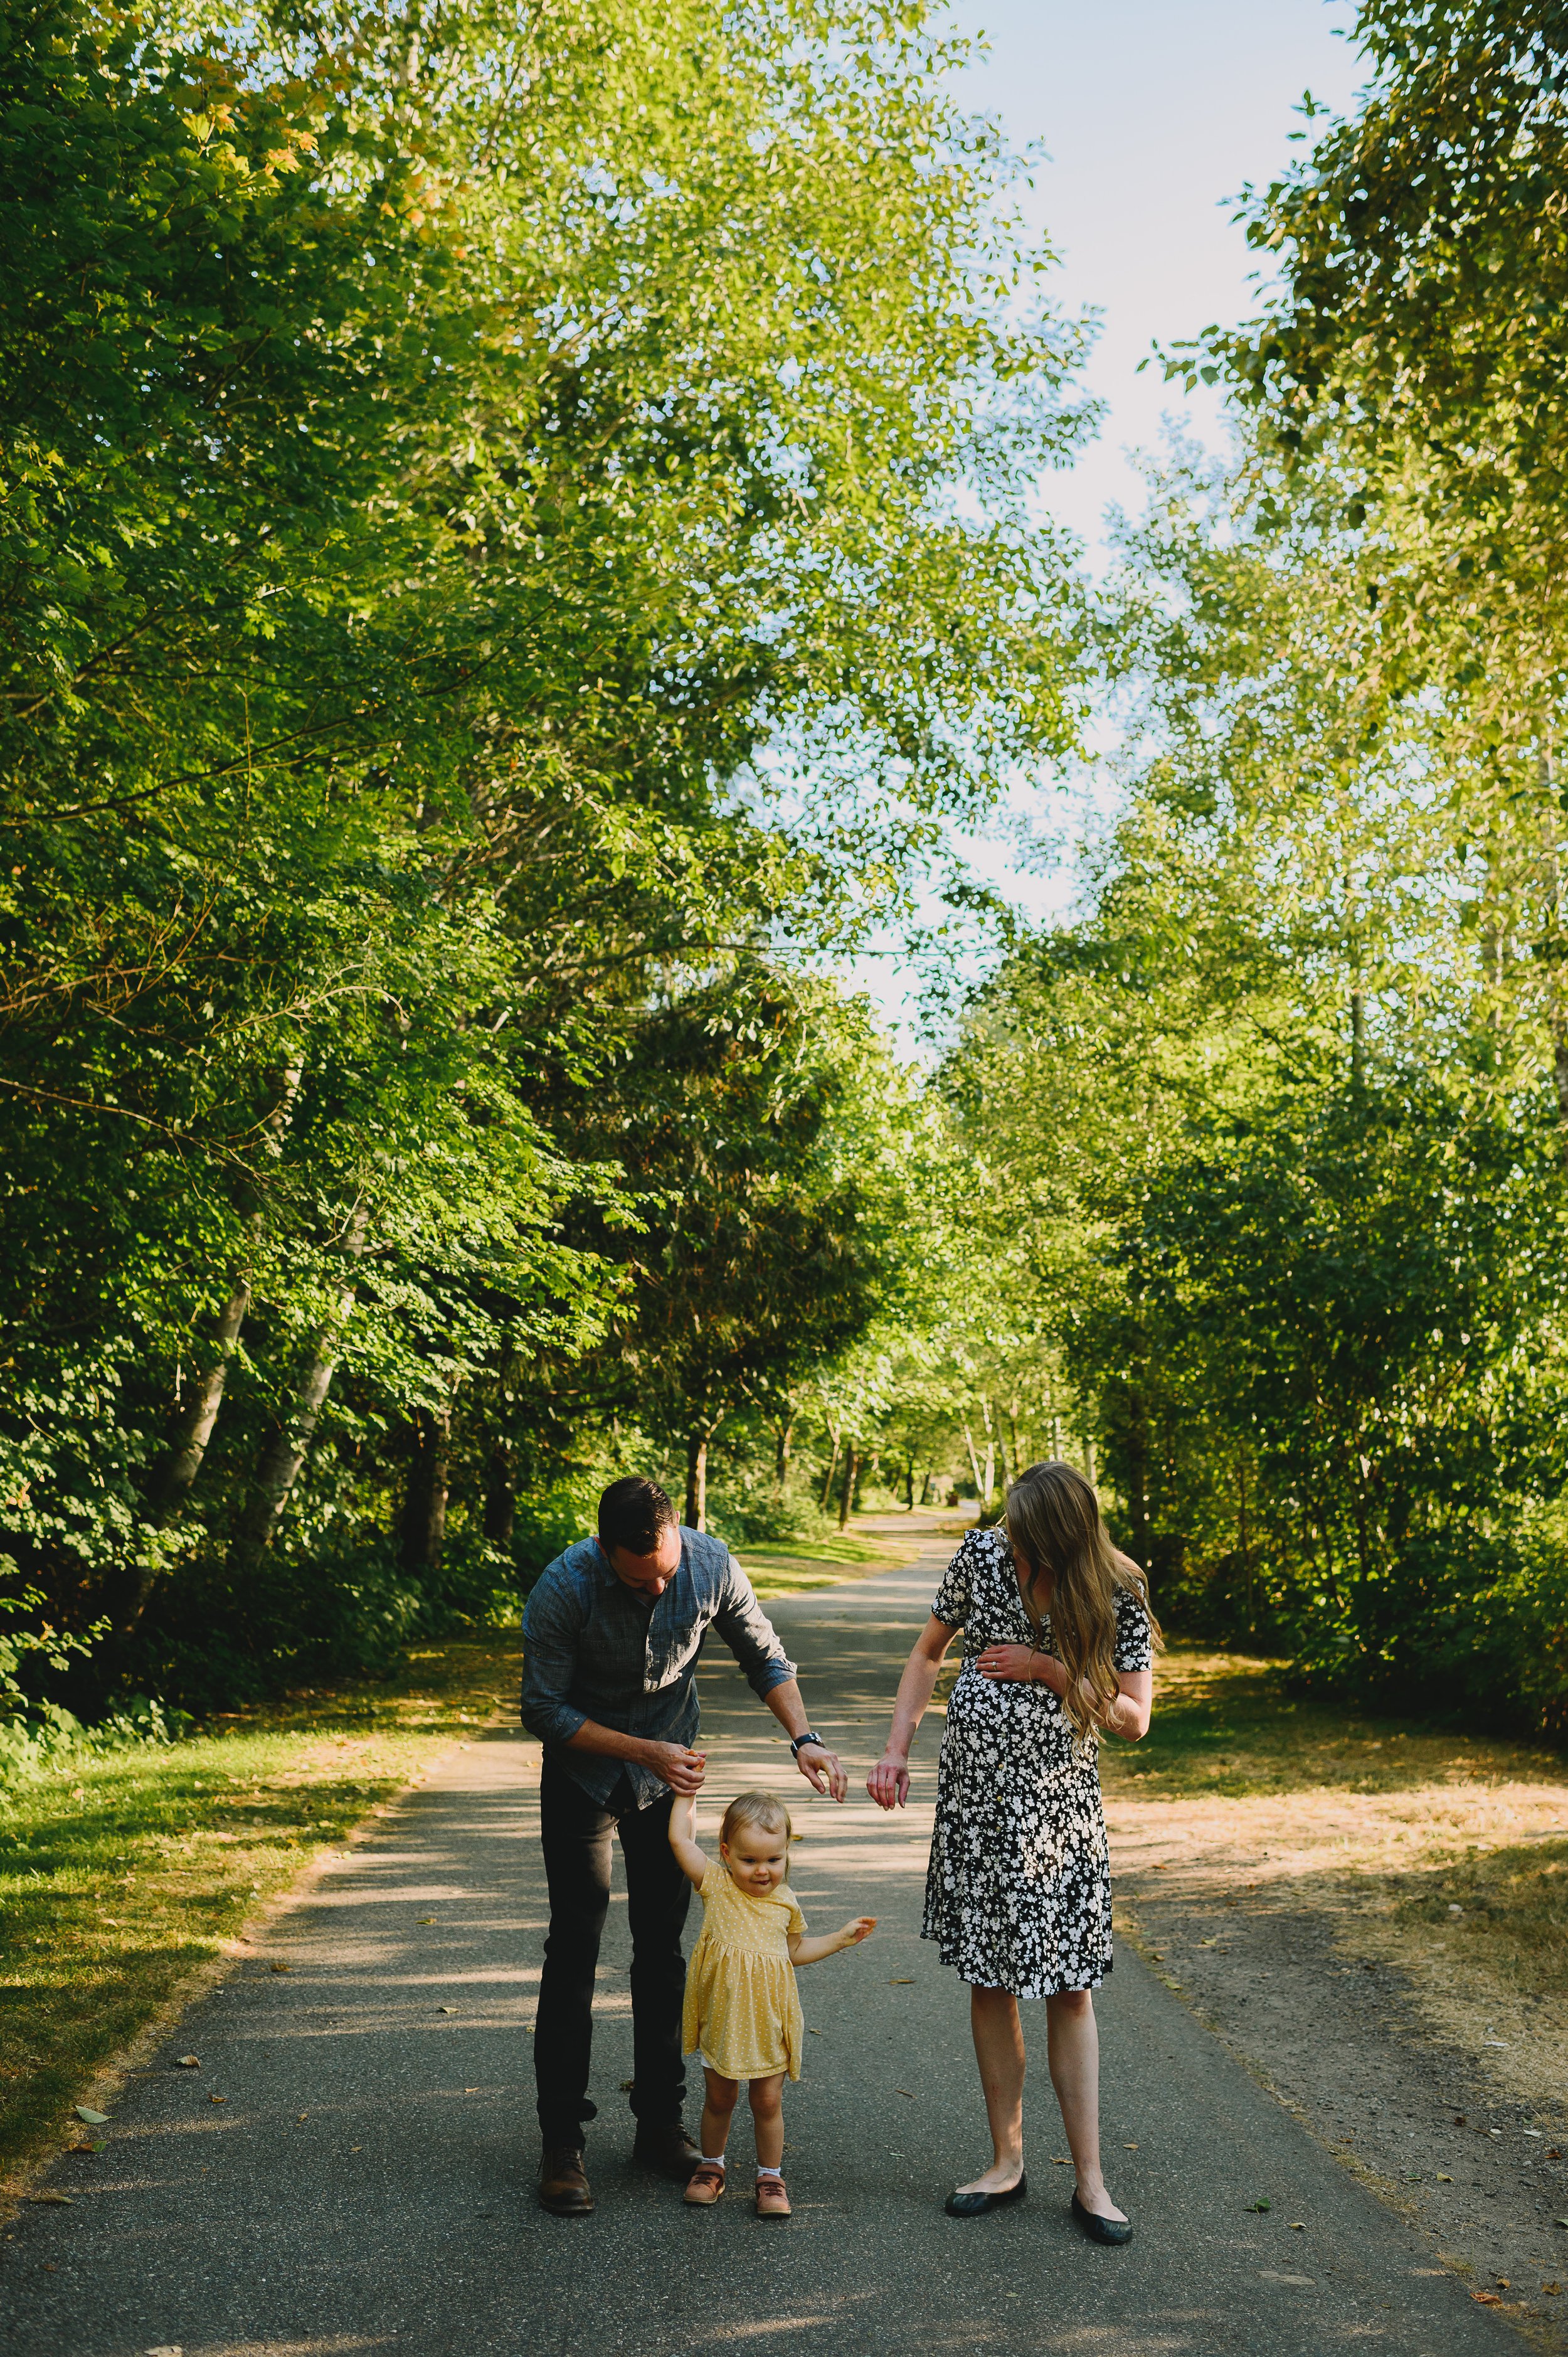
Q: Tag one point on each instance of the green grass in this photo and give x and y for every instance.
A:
(1225, 1724)
(793, 1566)
(121, 1878)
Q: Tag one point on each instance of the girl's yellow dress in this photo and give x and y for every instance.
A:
(742, 2008)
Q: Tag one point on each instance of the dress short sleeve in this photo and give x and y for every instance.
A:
(953, 1599)
(795, 1928)
(1134, 1645)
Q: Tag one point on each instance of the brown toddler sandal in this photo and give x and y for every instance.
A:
(705, 2184)
(772, 2201)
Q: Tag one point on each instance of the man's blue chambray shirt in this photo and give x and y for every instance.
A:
(593, 1648)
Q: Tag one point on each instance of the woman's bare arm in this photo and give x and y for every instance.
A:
(888, 1782)
(1126, 1716)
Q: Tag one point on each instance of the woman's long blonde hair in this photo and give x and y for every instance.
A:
(1053, 1522)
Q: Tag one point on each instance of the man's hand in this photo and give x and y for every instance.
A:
(888, 1782)
(823, 1770)
(1013, 1665)
(681, 1770)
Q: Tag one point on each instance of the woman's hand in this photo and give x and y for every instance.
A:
(1013, 1665)
(888, 1782)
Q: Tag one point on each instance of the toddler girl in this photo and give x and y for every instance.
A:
(743, 2010)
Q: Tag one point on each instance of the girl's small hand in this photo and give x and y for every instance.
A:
(860, 1928)
(888, 1782)
(1013, 1665)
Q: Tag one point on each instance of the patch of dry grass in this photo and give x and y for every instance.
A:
(123, 1880)
(1444, 1855)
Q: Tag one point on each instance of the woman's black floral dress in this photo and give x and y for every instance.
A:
(1018, 1891)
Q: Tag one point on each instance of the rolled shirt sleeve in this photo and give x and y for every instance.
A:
(750, 1634)
(552, 1623)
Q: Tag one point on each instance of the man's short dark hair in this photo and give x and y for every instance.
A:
(632, 1512)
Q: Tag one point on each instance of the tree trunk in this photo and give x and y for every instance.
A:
(1088, 1464)
(832, 1468)
(926, 1487)
(697, 1480)
(1056, 1438)
(973, 1462)
(910, 1487)
(851, 1476)
(500, 1496)
(188, 1444)
(286, 1450)
(990, 1454)
(424, 1533)
(1009, 1464)
(1138, 1474)
(1560, 1063)
(783, 1435)
(1013, 1430)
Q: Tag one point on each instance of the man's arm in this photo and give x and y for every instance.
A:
(550, 1625)
(748, 1631)
(681, 1770)
(823, 1768)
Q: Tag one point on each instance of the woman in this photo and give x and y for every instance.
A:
(1059, 1643)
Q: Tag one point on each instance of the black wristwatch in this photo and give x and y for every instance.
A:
(799, 1742)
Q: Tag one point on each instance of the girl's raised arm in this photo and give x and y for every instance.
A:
(683, 1837)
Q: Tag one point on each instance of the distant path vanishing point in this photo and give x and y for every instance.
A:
(365, 2183)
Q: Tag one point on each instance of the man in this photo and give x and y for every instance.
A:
(611, 1637)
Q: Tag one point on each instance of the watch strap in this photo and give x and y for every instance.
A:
(799, 1742)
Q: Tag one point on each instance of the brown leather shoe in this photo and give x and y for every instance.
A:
(667, 2148)
(564, 2187)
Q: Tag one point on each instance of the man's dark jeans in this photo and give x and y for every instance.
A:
(577, 1832)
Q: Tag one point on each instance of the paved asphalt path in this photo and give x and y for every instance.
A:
(366, 2185)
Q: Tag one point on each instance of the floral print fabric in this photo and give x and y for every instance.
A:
(1018, 1889)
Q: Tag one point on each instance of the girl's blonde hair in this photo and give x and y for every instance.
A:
(1053, 1522)
(764, 1808)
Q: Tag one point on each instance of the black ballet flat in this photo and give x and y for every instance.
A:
(975, 2205)
(1100, 2230)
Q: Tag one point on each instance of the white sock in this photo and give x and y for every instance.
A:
(763, 2172)
(710, 2162)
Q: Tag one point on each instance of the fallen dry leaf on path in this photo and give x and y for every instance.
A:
(187, 2061)
(281, 1968)
(900, 1984)
(64, 2199)
(217, 2098)
(93, 2119)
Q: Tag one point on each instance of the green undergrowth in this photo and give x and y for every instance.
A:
(124, 1874)
(1228, 1724)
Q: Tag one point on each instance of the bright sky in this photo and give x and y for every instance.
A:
(1152, 113)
